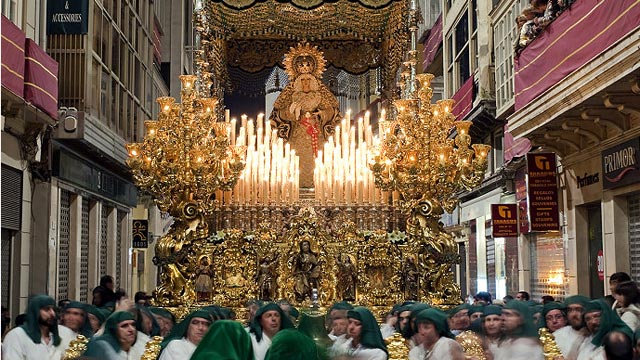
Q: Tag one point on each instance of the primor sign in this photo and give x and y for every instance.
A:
(620, 164)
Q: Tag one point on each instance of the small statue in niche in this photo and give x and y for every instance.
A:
(410, 278)
(204, 284)
(267, 276)
(347, 277)
(305, 268)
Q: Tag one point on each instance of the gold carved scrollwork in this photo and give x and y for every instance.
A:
(235, 269)
(379, 271)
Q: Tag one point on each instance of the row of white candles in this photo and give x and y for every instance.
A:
(341, 174)
(272, 170)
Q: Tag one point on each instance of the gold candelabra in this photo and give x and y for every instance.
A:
(184, 159)
(186, 155)
(418, 156)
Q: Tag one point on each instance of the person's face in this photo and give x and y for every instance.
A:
(555, 320)
(354, 330)
(428, 334)
(339, 326)
(520, 296)
(574, 315)
(97, 299)
(592, 320)
(252, 311)
(492, 325)
(197, 329)
(270, 322)
(110, 285)
(164, 323)
(612, 286)
(126, 333)
(636, 349)
(622, 301)
(47, 315)
(73, 319)
(511, 320)
(461, 320)
(475, 316)
(403, 319)
(95, 323)
(147, 324)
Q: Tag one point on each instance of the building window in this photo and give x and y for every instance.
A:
(10, 10)
(505, 35)
(461, 49)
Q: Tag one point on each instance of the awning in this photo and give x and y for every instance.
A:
(13, 40)
(464, 99)
(432, 44)
(40, 79)
(573, 39)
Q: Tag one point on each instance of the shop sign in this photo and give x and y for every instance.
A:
(600, 265)
(505, 220)
(67, 17)
(521, 200)
(542, 189)
(140, 234)
(587, 179)
(620, 164)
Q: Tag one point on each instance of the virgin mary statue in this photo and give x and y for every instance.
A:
(306, 112)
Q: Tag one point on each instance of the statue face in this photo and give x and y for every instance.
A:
(305, 247)
(305, 64)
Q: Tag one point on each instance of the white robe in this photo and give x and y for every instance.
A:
(19, 346)
(524, 348)
(569, 341)
(442, 349)
(588, 351)
(362, 353)
(260, 348)
(178, 349)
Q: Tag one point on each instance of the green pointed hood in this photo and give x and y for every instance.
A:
(256, 328)
(370, 335)
(180, 330)
(528, 327)
(415, 308)
(162, 312)
(492, 310)
(549, 307)
(225, 340)
(98, 313)
(142, 311)
(609, 321)
(576, 299)
(32, 322)
(110, 334)
(291, 344)
(86, 329)
(438, 318)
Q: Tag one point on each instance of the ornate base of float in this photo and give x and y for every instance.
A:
(312, 256)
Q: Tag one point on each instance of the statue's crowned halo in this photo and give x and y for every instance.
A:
(306, 112)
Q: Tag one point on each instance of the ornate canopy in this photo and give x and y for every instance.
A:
(247, 36)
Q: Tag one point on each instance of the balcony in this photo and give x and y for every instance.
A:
(583, 66)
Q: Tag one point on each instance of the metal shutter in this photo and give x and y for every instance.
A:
(104, 222)
(119, 246)
(5, 266)
(63, 248)
(84, 251)
(634, 235)
(491, 264)
(11, 198)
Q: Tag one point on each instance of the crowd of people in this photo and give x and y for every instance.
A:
(119, 328)
(536, 17)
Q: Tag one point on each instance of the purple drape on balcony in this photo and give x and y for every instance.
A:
(432, 44)
(12, 57)
(578, 35)
(40, 79)
(464, 99)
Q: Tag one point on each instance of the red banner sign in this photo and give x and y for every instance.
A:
(543, 192)
(505, 220)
